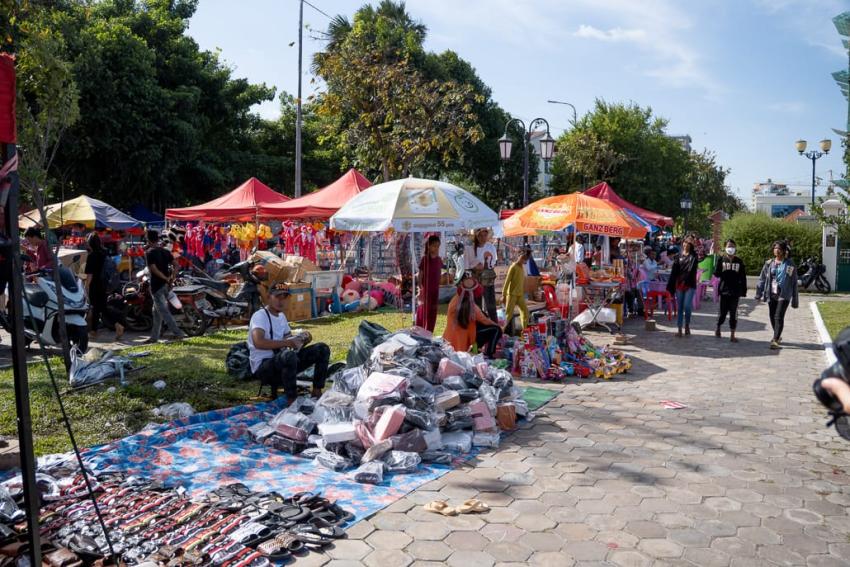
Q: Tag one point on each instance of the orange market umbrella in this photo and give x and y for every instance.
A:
(587, 214)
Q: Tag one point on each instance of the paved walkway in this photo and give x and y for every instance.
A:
(746, 475)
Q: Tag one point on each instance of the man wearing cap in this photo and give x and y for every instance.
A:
(277, 356)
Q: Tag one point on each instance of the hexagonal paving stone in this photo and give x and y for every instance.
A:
(575, 532)
(385, 557)
(780, 554)
(630, 559)
(660, 548)
(392, 521)
(542, 541)
(466, 541)
(586, 550)
(469, 559)
(524, 492)
(617, 539)
(804, 516)
(430, 531)
(689, 537)
(744, 495)
(534, 522)
(508, 551)
(360, 530)
(429, 550)
(388, 540)
(706, 557)
(716, 528)
(349, 549)
(644, 529)
(501, 515)
(722, 504)
(824, 561)
(502, 532)
(551, 559)
(586, 492)
(674, 520)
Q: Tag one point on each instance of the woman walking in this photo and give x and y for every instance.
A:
(430, 270)
(732, 286)
(95, 286)
(778, 286)
(683, 283)
(481, 259)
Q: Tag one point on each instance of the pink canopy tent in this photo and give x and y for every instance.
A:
(241, 204)
(604, 191)
(321, 204)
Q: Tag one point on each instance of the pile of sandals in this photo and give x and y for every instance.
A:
(151, 526)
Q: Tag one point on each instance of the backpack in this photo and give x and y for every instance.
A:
(238, 361)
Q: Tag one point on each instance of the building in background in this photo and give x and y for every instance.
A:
(544, 171)
(777, 200)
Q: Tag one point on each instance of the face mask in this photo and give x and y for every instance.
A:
(730, 250)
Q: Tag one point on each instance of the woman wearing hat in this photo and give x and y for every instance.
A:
(466, 324)
(481, 258)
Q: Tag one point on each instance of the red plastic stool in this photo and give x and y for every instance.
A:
(654, 299)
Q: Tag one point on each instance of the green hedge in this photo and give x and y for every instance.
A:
(755, 233)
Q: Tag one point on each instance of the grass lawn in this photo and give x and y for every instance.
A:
(193, 371)
(836, 315)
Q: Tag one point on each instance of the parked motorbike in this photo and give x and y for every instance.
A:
(41, 310)
(186, 303)
(216, 305)
(245, 273)
(812, 272)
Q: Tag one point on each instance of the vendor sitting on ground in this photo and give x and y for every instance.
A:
(277, 355)
(466, 324)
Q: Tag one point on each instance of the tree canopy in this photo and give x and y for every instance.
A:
(627, 146)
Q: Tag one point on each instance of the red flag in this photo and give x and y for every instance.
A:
(7, 99)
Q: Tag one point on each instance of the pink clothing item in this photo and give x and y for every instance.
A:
(390, 422)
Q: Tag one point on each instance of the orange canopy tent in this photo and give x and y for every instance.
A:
(241, 204)
(321, 204)
(586, 214)
(606, 192)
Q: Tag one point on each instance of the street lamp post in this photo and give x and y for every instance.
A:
(686, 203)
(547, 148)
(575, 117)
(814, 155)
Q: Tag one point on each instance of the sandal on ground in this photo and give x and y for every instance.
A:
(473, 506)
(320, 527)
(286, 541)
(63, 557)
(440, 507)
(311, 540)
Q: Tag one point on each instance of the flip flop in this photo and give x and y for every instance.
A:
(440, 507)
(473, 506)
(311, 540)
(321, 527)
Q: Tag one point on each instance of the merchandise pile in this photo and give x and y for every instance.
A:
(154, 526)
(554, 350)
(413, 400)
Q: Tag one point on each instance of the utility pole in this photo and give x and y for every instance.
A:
(298, 103)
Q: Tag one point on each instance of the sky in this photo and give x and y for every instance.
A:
(744, 78)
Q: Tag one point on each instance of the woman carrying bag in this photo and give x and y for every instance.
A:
(683, 284)
(481, 258)
(778, 286)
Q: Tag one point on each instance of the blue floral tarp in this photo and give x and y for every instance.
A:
(211, 449)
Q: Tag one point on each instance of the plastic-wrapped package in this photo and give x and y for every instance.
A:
(460, 424)
(447, 399)
(482, 369)
(354, 451)
(335, 407)
(412, 441)
(259, 431)
(502, 379)
(448, 367)
(454, 383)
(433, 439)
(294, 425)
(457, 441)
(465, 359)
(437, 457)
(459, 413)
(467, 394)
(421, 387)
(9, 511)
(486, 439)
(401, 461)
(521, 407)
(479, 407)
(380, 384)
(489, 395)
(377, 451)
(302, 404)
(390, 422)
(420, 419)
(472, 380)
(512, 393)
(506, 416)
(418, 402)
(370, 473)
(310, 452)
(348, 381)
(337, 432)
(332, 461)
(285, 444)
(391, 399)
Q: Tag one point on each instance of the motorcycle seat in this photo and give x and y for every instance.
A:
(36, 296)
(187, 289)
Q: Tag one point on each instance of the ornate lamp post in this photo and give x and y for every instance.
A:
(687, 204)
(814, 155)
(547, 148)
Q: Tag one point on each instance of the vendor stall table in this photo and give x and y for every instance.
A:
(599, 295)
(662, 275)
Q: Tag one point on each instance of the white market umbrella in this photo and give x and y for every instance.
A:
(415, 205)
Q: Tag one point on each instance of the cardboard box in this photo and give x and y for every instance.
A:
(532, 284)
(296, 268)
(298, 307)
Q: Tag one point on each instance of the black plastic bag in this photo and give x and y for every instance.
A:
(401, 461)
(437, 457)
(369, 335)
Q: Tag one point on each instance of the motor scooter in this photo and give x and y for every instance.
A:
(185, 302)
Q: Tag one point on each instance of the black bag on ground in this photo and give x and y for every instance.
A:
(369, 335)
(238, 361)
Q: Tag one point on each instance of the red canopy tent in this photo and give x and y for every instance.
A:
(604, 191)
(322, 203)
(507, 213)
(241, 204)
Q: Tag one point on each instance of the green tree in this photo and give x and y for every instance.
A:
(754, 235)
(379, 107)
(627, 146)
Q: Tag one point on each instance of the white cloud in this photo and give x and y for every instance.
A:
(614, 34)
(810, 21)
(792, 106)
